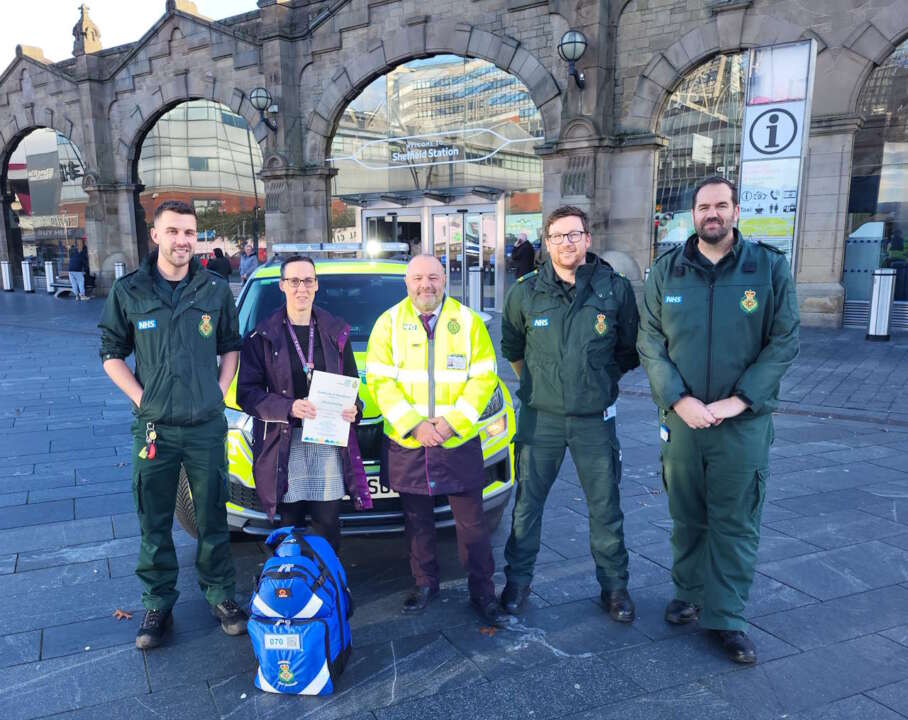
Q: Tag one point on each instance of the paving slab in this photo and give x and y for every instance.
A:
(7, 564)
(836, 529)
(539, 636)
(894, 696)
(814, 678)
(54, 535)
(191, 701)
(843, 571)
(79, 491)
(37, 514)
(40, 582)
(53, 686)
(857, 707)
(685, 702)
(568, 686)
(20, 648)
(839, 619)
(898, 633)
(104, 505)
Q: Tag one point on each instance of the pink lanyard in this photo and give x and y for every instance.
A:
(308, 364)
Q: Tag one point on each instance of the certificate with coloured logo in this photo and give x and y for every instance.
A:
(330, 393)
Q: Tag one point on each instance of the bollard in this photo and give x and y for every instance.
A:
(27, 284)
(646, 275)
(119, 270)
(49, 276)
(7, 275)
(881, 304)
(475, 299)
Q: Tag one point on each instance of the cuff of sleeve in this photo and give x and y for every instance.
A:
(407, 423)
(112, 356)
(675, 397)
(459, 422)
(745, 398)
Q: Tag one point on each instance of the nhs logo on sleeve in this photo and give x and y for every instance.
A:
(673, 299)
(541, 322)
(146, 324)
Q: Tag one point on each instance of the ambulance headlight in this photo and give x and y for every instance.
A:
(495, 404)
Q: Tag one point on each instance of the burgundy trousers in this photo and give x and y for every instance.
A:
(473, 546)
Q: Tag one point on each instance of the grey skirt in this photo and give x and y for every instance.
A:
(314, 472)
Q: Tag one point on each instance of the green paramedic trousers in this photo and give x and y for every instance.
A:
(716, 481)
(201, 450)
(597, 457)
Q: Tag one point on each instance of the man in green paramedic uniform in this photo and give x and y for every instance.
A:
(177, 318)
(569, 331)
(719, 328)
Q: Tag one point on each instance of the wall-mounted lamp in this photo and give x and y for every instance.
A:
(260, 99)
(571, 48)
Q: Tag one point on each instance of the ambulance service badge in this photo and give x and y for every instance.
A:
(453, 327)
(601, 326)
(205, 327)
(749, 301)
(285, 674)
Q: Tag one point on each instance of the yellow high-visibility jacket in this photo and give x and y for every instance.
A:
(398, 373)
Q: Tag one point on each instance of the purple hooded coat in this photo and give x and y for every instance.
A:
(264, 390)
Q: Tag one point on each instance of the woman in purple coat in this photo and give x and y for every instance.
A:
(293, 477)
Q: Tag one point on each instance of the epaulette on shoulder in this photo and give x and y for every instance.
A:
(528, 275)
(773, 248)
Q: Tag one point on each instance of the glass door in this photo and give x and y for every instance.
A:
(465, 241)
(393, 226)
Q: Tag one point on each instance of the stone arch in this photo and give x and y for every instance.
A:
(666, 69)
(422, 40)
(870, 43)
(14, 127)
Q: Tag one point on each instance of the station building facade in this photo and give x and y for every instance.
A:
(455, 128)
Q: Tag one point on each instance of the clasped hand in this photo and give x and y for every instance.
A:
(433, 431)
(305, 410)
(697, 416)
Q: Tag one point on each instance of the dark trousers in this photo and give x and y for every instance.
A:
(597, 457)
(201, 451)
(323, 518)
(473, 546)
(716, 483)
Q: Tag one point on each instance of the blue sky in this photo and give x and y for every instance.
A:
(48, 24)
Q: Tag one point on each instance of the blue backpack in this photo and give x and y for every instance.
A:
(299, 619)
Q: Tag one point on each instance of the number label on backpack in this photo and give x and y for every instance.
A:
(282, 642)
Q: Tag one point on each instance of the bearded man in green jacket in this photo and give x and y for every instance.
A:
(718, 330)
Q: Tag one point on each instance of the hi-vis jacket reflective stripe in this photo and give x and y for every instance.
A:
(462, 375)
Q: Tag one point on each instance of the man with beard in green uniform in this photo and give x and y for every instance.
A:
(719, 328)
(569, 330)
(177, 318)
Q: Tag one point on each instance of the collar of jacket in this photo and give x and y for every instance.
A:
(689, 253)
(548, 279)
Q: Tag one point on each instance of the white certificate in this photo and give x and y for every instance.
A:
(330, 393)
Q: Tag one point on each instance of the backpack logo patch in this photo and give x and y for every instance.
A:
(285, 674)
(749, 301)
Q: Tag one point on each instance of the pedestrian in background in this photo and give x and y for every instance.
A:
(78, 264)
(569, 331)
(219, 264)
(523, 256)
(718, 331)
(248, 262)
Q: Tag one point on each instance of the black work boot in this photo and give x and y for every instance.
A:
(489, 612)
(418, 598)
(152, 629)
(514, 597)
(738, 647)
(681, 612)
(233, 618)
(619, 605)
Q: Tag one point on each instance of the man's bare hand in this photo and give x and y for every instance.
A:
(349, 414)
(427, 435)
(694, 413)
(727, 408)
(302, 409)
(442, 427)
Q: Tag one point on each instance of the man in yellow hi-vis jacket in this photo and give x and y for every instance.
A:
(431, 368)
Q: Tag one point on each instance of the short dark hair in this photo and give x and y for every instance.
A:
(715, 180)
(296, 258)
(563, 212)
(218, 252)
(176, 206)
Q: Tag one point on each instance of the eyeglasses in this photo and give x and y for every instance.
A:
(294, 283)
(572, 237)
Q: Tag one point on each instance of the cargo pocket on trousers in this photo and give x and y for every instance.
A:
(137, 492)
(616, 462)
(760, 477)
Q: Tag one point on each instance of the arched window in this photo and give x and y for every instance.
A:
(702, 121)
(878, 202)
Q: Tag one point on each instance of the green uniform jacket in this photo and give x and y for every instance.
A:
(575, 345)
(176, 347)
(715, 333)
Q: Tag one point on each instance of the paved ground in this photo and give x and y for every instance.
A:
(829, 607)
